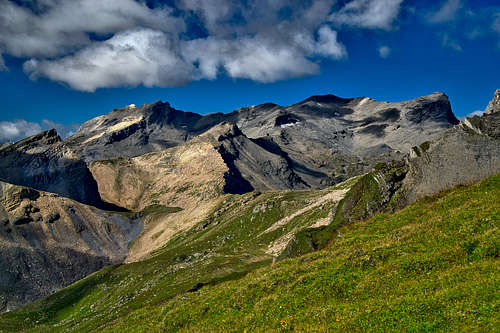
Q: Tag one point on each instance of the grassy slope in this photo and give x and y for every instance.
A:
(431, 266)
(227, 245)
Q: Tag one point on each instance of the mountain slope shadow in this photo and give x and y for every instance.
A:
(45, 163)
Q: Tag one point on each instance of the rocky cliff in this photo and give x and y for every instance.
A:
(489, 122)
(46, 163)
(329, 139)
(174, 169)
(48, 242)
(323, 139)
(132, 131)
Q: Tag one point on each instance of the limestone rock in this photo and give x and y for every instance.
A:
(48, 242)
(494, 105)
(323, 140)
(46, 163)
(489, 122)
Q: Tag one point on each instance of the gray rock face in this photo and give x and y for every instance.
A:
(323, 139)
(329, 139)
(489, 122)
(133, 131)
(48, 242)
(459, 157)
(253, 164)
(494, 105)
(46, 163)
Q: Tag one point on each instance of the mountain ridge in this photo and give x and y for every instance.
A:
(325, 139)
(191, 169)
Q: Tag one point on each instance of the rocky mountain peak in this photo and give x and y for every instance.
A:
(48, 137)
(437, 95)
(223, 131)
(327, 99)
(494, 105)
(434, 107)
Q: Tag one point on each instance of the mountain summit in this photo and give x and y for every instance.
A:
(324, 139)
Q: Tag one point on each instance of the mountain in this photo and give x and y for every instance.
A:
(46, 163)
(494, 105)
(329, 139)
(431, 266)
(489, 122)
(183, 200)
(194, 177)
(323, 139)
(132, 131)
(48, 242)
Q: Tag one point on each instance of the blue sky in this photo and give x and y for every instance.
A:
(64, 62)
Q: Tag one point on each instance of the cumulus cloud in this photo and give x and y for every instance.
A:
(377, 14)
(384, 51)
(447, 12)
(128, 59)
(59, 27)
(18, 129)
(117, 43)
(328, 45)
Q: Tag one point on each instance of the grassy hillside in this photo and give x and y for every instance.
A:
(233, 240)
(432, 266)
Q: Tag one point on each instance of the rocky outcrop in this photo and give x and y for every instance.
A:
(253, 164)
(221, 160)
(489, 122)
(46, 163)
(323, 139)
(48, 242)
(132, 131)
(494, 105)
(459, 157)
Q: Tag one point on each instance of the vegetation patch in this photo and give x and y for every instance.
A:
(432, 266)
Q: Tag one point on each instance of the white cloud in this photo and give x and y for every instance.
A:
(129, 58)
(260, 61)
(384, 51)
(372, 14)
(328, 45)
(257, 59)
(64, 25)
(447, 12)
(117, 43)
(18, 129)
